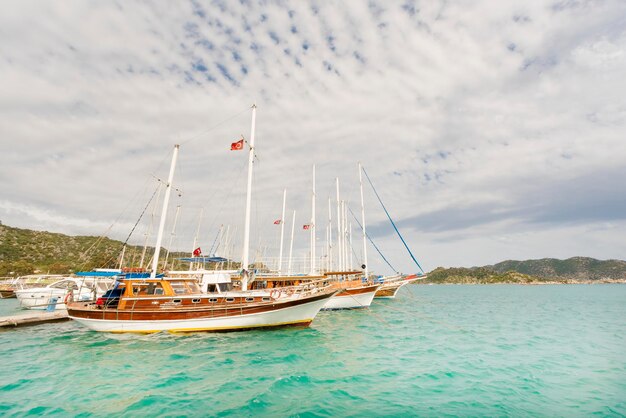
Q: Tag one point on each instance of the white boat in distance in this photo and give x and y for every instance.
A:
(55, 295)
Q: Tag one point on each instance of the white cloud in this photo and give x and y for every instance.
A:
(452, 107)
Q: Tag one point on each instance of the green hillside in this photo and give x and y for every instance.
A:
(23, 251)
(572, 270)
(575, 268)
(461, 275)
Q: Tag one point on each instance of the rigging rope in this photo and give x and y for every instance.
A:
(391, 220)
(140, 216)
(375, 246)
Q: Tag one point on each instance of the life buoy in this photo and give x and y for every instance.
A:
(275, 294)
(69, 297)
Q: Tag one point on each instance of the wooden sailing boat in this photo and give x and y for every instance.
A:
(356, 292)
(390, 285)
(178, 304)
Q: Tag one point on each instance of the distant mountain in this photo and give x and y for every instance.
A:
(572, 270)
(575, 268)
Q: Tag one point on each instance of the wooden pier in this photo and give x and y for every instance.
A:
(32, 318)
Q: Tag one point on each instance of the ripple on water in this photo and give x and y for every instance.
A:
(455, 350)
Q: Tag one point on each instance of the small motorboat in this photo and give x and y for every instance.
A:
(55, 295)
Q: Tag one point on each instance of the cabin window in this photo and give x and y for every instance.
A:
(148, 289)
(230, 299)
(211, 288)
(195, 300)
(193, 287)
(249, 299)
(185, 287)
(179, 287)
(225, 287)
(212, 300)
(65, 285)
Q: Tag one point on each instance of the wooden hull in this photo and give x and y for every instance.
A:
(352, 298)
(389, 291)
(7, 293)
(188, 319)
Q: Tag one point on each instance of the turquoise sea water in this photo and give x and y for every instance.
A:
(433, 351)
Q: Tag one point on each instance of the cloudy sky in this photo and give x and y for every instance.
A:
(492, 130)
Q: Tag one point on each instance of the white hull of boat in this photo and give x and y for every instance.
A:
(294, 315)
(45, 298)
(348, 301)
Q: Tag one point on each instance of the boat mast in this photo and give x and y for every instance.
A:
(168, 189)
(167, 253)
(149, 229)
(344, 236)
(282, 233)
(340, 258)
(350, 249)
(365, 266)
(293, 227)
(313, 225)
(245, 275)
(330, 236)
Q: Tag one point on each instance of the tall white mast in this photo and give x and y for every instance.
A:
(169, 245)
(245, 275)
(327, 250)
(166, 200)
(330, 236)
(313, 225)
(149, 229)
(350, 247)
(339, 251)
(293, 227)
(365, 266)
(344, 237)
(282, 233)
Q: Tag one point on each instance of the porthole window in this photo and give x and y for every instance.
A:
(212, 300)
(266, 299)
(230, 299)
(195, 300)
(177, 300)
(249, 299)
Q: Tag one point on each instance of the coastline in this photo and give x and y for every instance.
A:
(533, 283)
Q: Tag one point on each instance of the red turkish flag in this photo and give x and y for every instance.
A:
(307, 226)
(197, 252)
(277, 222)
(236, 146)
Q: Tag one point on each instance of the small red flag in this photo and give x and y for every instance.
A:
(307, 226)
(277, 222)
(236, 146)
(197, 252)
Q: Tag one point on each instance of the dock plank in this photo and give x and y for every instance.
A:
(32, 318)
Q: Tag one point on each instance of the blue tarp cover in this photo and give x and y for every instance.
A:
(98, 273)
(204, 259)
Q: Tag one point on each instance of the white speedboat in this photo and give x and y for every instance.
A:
(55, 295)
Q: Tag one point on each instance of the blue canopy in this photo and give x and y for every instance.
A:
(204, 259)
(99, 273)
(129, 275)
